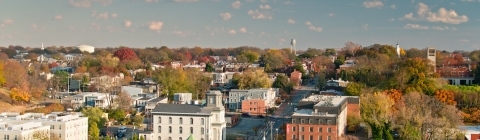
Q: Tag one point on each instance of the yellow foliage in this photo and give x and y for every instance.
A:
(446, 96)
(19, 95)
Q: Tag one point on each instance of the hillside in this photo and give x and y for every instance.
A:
(6, 103)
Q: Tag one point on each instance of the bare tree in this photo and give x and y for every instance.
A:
(351, 48)
(123, 101)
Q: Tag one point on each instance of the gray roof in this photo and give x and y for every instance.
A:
(180, 108)
(158, 99)
(145, 98)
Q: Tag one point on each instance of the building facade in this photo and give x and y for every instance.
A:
(236, 96)
(320, 117)
(181, 121)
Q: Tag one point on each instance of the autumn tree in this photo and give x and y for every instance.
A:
(446, 96)
(248, 57)
(209, 67)
(172, 81)
(351, 49)
(273, 59)
(19, 95)
(16, 75)
(93, 131)
(375, 109)
(32, 56)
(95, 116)
(3, 56)
(123, 101)
(41, 135)
(283, 83)
(252, 79)
(417, 76)
(199, 83)
(3, 81)
(107, 59)
(125, 54)
(354, 89)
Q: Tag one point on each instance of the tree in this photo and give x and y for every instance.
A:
(117, 114)
(353, 121)
(249, 56)
(3, 56)
(138, 120)
(446, 96)
(32, 56)
(19, 95)
(375, 109)
(273, 59)
(107, 59)
(251, 79)
(351, 49)
(41, 135)
(199, 83)
(95, 116)
(283, 83)
(417, 77)
(172, 81)
(125, 54)
(139, 76)
(16, 75)
(339, 61)
(209, 67)
(354, 89)
(93, 131)
(3, 81)
(330, 52)
(123, 101)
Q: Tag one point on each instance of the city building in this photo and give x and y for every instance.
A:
(182, 98)
(236, 98)
(224, 78)
(322, 117)
(93, 99)
(181, 121)
(61, 125)
(86, 48)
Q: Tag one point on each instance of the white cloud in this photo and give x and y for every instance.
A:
(291, 21)
(102, 16)
(316, 29)
(331, 14)
(442, 15)
(443, 28)
(182, 34)
(58, 17)
(308, 23)
(464, 40)
(114, 15)
(185, 0)
(288, 3)
(232, 32)
(226, 16)
(467, 0)
(155, 26)
(260, 14)
(151, 0)
(263, 1)
(88, 3)
(266, 7)
(373, 4)
(7, 21)
(243, 30)
(365, 26)
(393, 6)
(415, 26)
(236, 4)
(391, 19)
(34, 26)
(127, 23)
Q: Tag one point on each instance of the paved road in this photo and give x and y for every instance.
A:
(283, 114)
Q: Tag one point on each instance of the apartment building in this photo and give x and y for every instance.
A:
(184, 121)
(321, 117)
(61, 125)
(236, 97)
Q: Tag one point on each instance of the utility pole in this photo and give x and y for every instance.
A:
(271, 129)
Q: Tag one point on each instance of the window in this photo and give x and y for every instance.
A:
(60, 127)
(293, 136)
(181, 130)
(293, 127)
(159, 138)
(329, 137)
(202, 131)
(170, 120)
(180, 138)
(159, 119)
(293, 121)
(329, 121)
(311, 129)
(320, 121)
(203, 121)
(181, 120)
(303, 129)
(311, 137)
(329, 130)
(302, 121)
(169, 129)
(191, 130)
(320, 137)
(320, 129)
(52, 126)
(191, 120)
(169, 138)
(302, 138)
(159, 129)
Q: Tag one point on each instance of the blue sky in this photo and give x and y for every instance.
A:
(444, 24)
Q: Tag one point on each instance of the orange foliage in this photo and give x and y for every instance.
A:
(55, 107)
(446, 96)
(81, 69)
(395, 95)
(471, 115)
(20, 95)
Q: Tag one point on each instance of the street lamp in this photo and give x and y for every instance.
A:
(276, 136)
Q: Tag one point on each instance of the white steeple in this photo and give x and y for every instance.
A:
(398, 50)
(42, 47)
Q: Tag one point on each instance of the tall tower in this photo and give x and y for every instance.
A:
(432, 57)
(42, 47)
(293, 47)
(398, 50)
(214, 103)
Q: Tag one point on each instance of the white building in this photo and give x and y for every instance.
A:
(236, 96)
(93, 99)
(64, 126)
(182, 98)
(222, 78)
(86, 48)
(181, 121)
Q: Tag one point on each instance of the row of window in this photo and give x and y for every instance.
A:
(180, 130)
(310, 121)
(202, 122)
(320, 129)
(310, 137)
(170, 138)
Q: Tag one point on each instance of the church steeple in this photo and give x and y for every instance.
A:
(214, 99)
(42, 47)
(398, 50)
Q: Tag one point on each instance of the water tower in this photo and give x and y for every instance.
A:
(293, 47)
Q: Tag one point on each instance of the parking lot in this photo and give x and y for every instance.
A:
(245, 125)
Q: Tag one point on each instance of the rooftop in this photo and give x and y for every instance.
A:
(326, 100)
(180, 109)
(469, 130)
(311, 112)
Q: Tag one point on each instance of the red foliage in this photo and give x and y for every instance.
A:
(188, 56)
(52, 65)
(107, 70)
(125, 54)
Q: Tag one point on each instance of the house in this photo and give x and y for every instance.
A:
(59, 68)
(221, 79)
(133, 90)
(323, 117)
(181, 121)
(100, 100)
(237, 97)
(107, 81)
(195, 67)
(182, 98)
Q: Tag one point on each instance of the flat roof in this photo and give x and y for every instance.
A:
(309, 112)
(323, 100)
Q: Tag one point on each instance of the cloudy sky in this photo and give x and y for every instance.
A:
(444, 24)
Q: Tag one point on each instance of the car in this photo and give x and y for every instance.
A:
(120, 135)
(122, 129)
(103, 133)
(246, 115)
(261, 116)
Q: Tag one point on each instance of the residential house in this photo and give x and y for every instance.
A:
(181, 121)
(238, 98)
(100, 100)
(219, 68)
(59, 68)
(182, 98)
(471, 132)
(321, 117)
(221, 79)
(107, 81)
(80, 100)
(195, 67)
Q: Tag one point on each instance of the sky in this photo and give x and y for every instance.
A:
(443, 24)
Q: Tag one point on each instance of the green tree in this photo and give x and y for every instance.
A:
(172, 81)
(339, 61)
(375, 109)
(138, 120)
(62, 76)
(95, 115)
(134, 137)
(322, 81)
(140, 76)
(354, 89)
(283, 83)
(93, 131)
(209, 67)
(249, 56)
(117, 114)
(142, 138)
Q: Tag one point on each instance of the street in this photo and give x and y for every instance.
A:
(283, 113)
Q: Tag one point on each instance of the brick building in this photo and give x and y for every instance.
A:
(254, 106)
(322, 117)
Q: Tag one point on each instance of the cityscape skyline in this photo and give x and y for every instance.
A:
(445, 25)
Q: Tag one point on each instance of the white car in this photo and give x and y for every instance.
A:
(122, 129)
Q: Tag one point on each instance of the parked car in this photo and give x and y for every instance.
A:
(261, 116)
(122, 129)
(246, 115)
